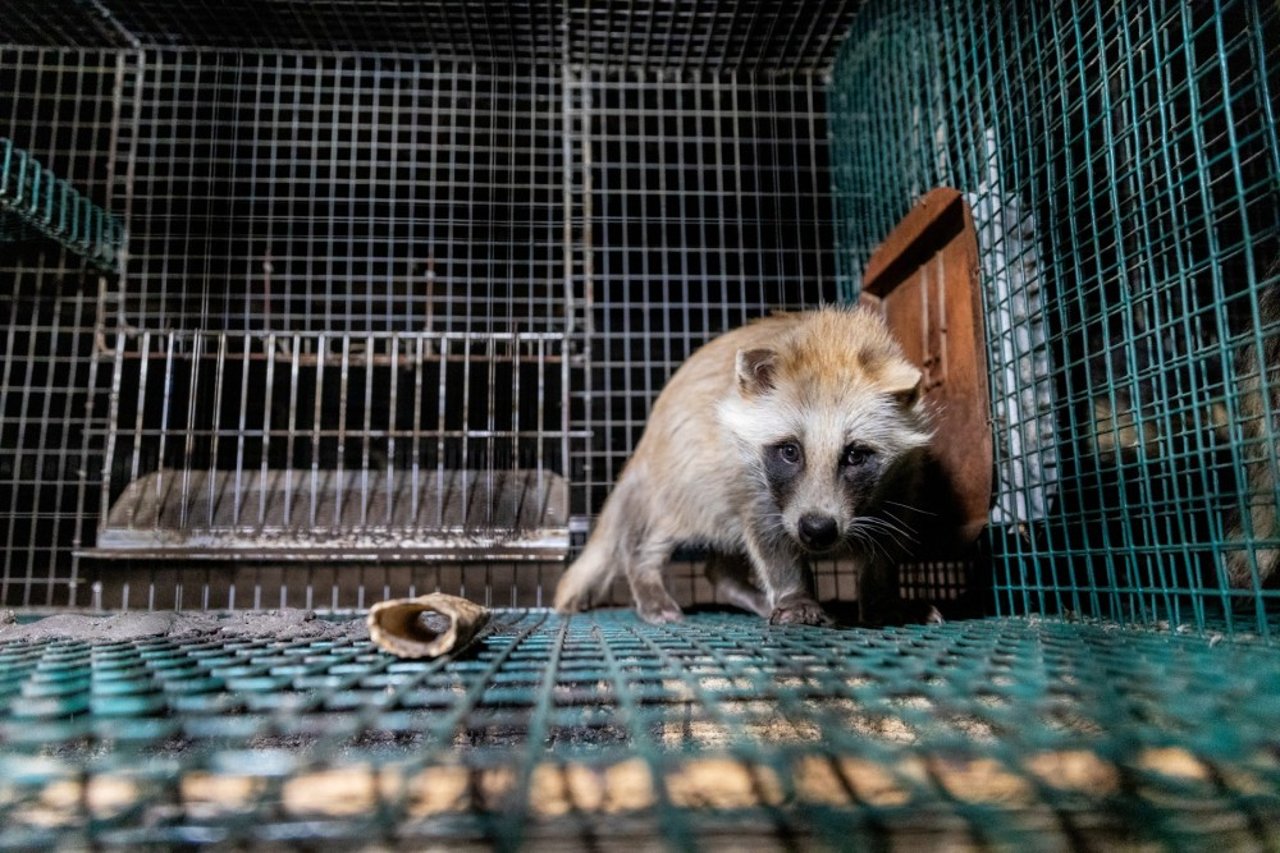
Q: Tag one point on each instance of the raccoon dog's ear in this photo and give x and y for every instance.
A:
(902, 379)
(755, 369)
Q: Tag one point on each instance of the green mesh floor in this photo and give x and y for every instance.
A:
(1013, 732)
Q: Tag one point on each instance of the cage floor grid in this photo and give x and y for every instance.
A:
(1008, 732)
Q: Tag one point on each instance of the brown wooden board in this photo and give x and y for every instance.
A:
(924, 278)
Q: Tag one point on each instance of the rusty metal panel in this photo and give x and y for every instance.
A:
(924, 278)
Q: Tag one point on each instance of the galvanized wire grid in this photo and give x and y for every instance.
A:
(1027, 734)
(708, 207)
(57, 105)
(771, 35)
(317, 446)
(65, 26)
(766, 36)
(36, 204)
(275, 190)
(1122, 163)
(343, 193)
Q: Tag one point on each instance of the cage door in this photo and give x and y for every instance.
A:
(386, 446)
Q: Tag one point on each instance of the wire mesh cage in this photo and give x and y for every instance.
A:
(390, 291)
(1122, 166)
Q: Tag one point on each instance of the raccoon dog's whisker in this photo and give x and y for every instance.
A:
(911, 507)
(877, 522)
(864, 538)
(870, 525)
(902, 527)
(866, 531)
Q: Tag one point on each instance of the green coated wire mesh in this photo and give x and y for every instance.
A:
(1023, 733)
(1122, 165)
(35, 202)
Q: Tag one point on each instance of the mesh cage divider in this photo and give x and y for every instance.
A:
(1120, 164)
(58, 107)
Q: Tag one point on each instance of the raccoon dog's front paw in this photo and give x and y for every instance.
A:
(800, 611)
(659, 611)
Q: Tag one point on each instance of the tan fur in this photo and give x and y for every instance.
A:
(693, 476)
(1259, 384)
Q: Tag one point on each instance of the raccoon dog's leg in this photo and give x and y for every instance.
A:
(624, 539)
(644, 574)
(785, 584)
(731, 573)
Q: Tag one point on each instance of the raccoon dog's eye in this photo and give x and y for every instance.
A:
(789, 452)
(856, 456)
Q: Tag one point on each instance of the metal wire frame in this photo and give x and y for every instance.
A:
(58, 105)
(708, 207)
(35, 202)
(738, 36)
(1132, 150)
(1008, 733)
(341, 192)
(764, 37)
(323, 586)
(224, 163)
(56, 108)
(335, 446)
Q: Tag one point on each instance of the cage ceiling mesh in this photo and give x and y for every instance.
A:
(753, 35)
(1016, 734)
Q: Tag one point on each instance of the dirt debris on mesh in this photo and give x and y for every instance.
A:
(286, 623)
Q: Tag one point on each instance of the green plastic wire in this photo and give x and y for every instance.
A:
(37, 202)
(1137, 144)
(967, 730)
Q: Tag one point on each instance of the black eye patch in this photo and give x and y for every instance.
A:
(783, 464)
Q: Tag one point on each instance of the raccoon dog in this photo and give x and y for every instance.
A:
(1259, 388)
(797, 436)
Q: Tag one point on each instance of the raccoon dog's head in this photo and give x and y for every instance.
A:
(828, 420)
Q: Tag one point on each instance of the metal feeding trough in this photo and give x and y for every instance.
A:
(299, 514)
(397, 446)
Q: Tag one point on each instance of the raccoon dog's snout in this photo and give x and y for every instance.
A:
(817, 531)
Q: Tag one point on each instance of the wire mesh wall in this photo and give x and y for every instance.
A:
(767, 35)
(56, 104)
(420, 171)
(1122, 163)
(343, 193)
(709, 207)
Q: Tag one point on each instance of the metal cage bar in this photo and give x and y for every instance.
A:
(275, 446)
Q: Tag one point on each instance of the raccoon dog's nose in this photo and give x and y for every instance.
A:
(818, 531)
